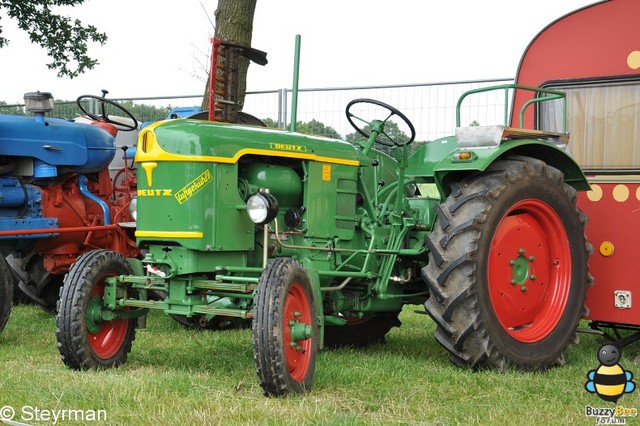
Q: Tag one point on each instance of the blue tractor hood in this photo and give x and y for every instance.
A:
(77, 147)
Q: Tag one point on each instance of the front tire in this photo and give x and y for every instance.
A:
(6, 293)
(507, 270)
(85, 341)
(285, 329)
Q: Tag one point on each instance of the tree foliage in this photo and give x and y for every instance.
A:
(390, 129)
(65, 40)
(313, 127)
(12, 110)
(69, 110)
(317, 128)
(270, 122)
(393, 130)
(143, 112)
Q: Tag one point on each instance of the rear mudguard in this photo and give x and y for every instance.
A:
(439, 159)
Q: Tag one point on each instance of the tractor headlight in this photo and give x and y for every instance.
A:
(133, 208)
(262, 207)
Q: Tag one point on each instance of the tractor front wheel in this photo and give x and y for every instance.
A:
(6, 292)
(85, 339)
(507, 270)
(285, 329)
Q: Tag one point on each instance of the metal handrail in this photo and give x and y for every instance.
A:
(551, 95)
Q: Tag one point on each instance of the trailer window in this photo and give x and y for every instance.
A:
(603, 121)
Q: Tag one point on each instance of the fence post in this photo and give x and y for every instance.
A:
(280, 123)
(93, 106)
(283, 108)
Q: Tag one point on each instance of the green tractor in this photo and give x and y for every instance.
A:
(320, 243)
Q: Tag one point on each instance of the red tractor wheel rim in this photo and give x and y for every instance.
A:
(107, 341)
(529, 271)
(297, 313)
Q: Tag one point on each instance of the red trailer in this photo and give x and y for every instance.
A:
(593, 54)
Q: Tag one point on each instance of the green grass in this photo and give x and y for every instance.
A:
(179, 376)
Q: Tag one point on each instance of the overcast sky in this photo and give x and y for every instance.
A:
(158, 47)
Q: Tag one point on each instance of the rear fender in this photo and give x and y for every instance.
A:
(451, 168)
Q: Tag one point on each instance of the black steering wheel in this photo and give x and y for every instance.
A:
(393, 111)
(104, 117)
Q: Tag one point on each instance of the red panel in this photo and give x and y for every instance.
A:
(596, 41)
(614, 215)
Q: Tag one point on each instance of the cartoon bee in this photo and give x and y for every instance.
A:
(609, 381)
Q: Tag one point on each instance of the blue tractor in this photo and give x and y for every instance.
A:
(57, 198)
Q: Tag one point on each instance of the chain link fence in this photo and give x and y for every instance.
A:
(430, 106)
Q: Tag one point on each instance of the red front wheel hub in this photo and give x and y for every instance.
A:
(297, 331)
(105, 337)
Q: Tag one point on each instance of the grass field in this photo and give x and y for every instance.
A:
(179, 376)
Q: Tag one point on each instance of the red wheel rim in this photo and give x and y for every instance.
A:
(529, 271)
(297, 311)
(107, 341)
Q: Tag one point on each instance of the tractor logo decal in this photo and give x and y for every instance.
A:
(287, 147)
(155, 192)
(610, 381)
(326, 172)
(193, 187)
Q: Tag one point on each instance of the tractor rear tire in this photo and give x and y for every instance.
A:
(360, 332)
(6, 293)
(285, 329)
(507, 269)
(85, 341)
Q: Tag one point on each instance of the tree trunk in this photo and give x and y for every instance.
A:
(234, 24)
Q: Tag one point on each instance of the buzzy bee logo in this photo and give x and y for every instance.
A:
(609, 382)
